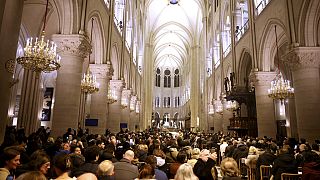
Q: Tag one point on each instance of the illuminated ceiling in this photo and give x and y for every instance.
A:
(173, 28)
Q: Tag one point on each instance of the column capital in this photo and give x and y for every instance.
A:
(126, 93)
(102, 71)
(302, 57)
(117, 85)
(72, 44)
(261, 78)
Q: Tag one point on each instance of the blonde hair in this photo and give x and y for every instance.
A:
(252, 150)
(185, 172)
(143, 147)
(195, 153)
(229, 167)
(105, 168)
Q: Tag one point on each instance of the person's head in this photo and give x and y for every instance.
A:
(113, 140)
(129, 155)
(204, 155)
(182, 157)
(195, 153)
(159, 153)
(87, 176)
(252, 150)
(34, 175)
(100, 144)
(91, 154)
(284, 150)
(152, 160)
(77, 160)
(66, 146)
(147, 172)
(185, 172)
(105, 168)
(61, 163)
(40, 161)
(10, 158)
(77, 150)
(229, 167)
(302, 147)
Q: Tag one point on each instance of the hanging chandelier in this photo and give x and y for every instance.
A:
(40, 55)
(89, 83)
(280, 88)
(111, 97)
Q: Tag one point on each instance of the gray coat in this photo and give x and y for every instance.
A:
(124, 170)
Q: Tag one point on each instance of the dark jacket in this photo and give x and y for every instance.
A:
(311, 171)
(203, 169)
(284, 163)
(267, 159)
(124, 170)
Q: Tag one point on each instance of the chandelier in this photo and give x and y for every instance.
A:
(89, 83)
(280, 88)
(211, 109)
(137, 107)
(111, 97)
(40, 55)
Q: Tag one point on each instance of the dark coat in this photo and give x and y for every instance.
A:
(124, 170)
(160, 175)
(311, 171)
(203, 169)
(267, 159)
(284, 163)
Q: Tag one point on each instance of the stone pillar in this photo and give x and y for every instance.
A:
(304, 63)
(10, 18)
(125, 111)
(72, 49)
(28, 117)
(265, 106)
(98, 108)
(195, 87)
(114, 110)
(292, 129)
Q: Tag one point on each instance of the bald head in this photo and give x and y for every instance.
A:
(129, 155)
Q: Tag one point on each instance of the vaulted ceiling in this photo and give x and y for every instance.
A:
(173, 29)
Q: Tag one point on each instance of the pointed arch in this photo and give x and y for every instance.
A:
(115, 61)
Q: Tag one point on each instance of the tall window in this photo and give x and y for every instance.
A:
(119, 6)
(158, 77)
(157, 102)
(166, 102)
(167, 78)
(177, 101)
(176, 78)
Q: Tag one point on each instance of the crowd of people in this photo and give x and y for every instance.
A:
(151, 155)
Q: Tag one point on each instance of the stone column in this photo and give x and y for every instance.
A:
(28, 117)
(114, 110)
(99, 104)
(304, 63)
(72, 49)
(195, 87)
(10, 18)
(265, 106)
(125, 112)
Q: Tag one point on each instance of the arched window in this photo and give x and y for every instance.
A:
(176, 78)
(157, 102)
(158, 77)
(167, 78)
(119, 6)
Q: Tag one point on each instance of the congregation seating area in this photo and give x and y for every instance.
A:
(155, 155)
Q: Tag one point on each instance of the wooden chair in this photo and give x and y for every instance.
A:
(251, 173)
(265, 172)
(242, 167)
(289, 176)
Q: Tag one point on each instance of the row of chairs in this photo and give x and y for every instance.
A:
(265, 172)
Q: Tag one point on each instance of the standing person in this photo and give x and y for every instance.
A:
(284, 163)
(106, 170)
(159, 175)
(9, 160)
(185, 172)
(204, 165)
(124, 169)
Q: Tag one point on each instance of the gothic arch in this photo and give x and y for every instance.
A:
(267, 45)
(98, 41)
(309, 24)
(245, 67)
